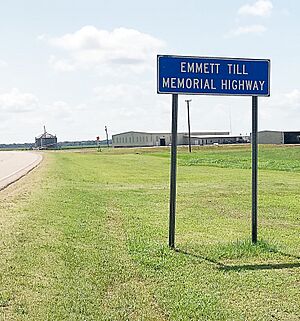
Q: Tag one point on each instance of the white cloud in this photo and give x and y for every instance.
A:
(260, 8)
(59, 110)
(3, 63)
(280, 110)
(90, 47)
(16, 101)
(252, 29)
(41, 37)
(128, 100)
(60, 64)
(120, 92)
(293, 98)
(288, 101)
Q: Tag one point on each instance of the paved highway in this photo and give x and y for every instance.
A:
(14, 165)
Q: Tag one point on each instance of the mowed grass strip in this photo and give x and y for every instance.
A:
(68, 257)
(89, 241)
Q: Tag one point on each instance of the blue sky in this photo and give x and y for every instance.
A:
(76, 66)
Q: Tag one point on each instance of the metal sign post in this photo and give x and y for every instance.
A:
(173, 171)
(254, 167)
(98, 143)
(189, 124)
(212, 76)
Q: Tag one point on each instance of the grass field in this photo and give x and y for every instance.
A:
(84, 237)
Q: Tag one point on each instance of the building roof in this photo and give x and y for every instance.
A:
(45, 135)
(145, 133)
(279, 131)
(212, 133)
(215, 136)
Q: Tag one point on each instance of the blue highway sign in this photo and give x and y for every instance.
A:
(213, 76)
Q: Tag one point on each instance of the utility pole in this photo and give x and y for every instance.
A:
(106, 136)
(189, 125)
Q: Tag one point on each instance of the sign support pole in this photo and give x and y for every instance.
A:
(254, 168)
(189, 124)
(173, 171)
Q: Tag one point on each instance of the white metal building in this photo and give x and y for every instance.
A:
(278, 137)
(218, 139)
(144, 139)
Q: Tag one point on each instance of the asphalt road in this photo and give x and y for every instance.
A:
(14, 165)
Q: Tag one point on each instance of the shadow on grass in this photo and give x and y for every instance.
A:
(244, 249)
(253, 267)
(201, 257)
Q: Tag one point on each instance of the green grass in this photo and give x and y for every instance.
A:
(281, 158)
(85, 238)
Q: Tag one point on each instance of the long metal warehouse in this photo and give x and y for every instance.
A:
(144, 139)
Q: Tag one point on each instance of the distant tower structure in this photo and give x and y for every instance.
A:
(46, 140)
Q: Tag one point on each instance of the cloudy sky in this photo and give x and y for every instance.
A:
(79, 65)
